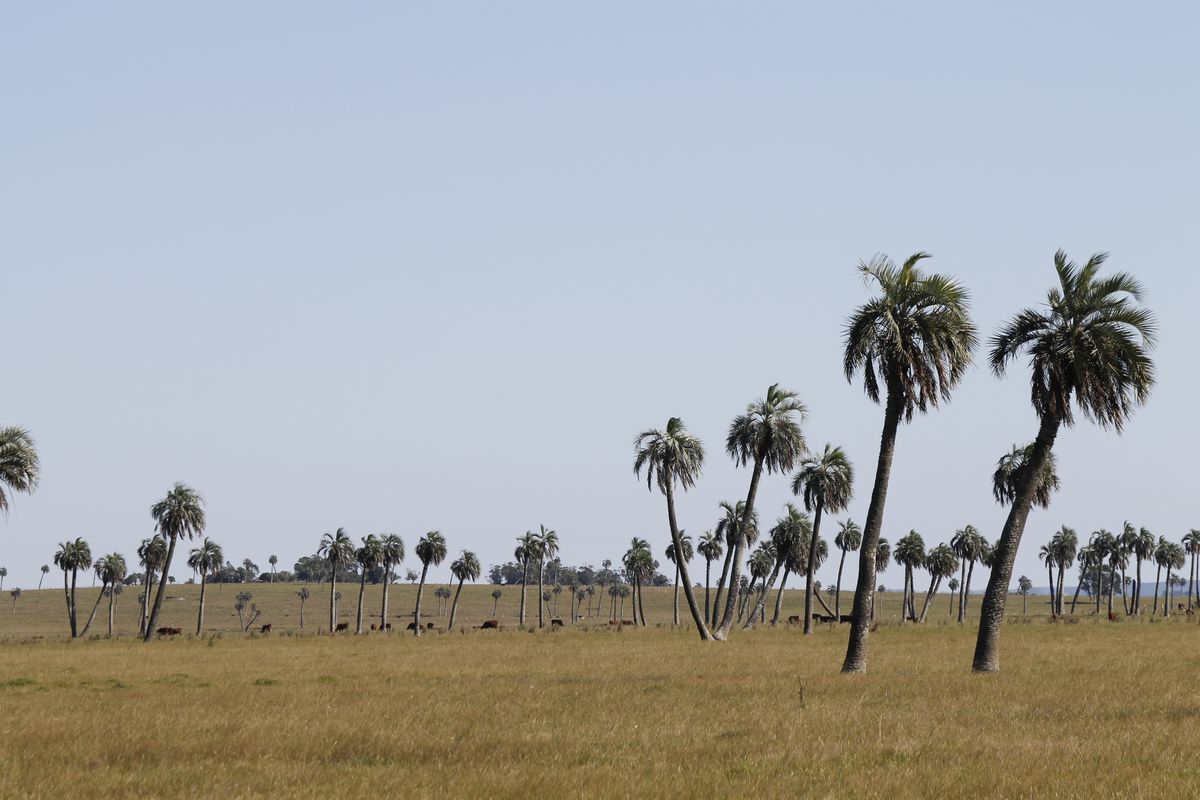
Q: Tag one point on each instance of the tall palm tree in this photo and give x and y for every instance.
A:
(953, 586)
(910, 553)
(338, 550)
(205, 559)
(970, 546)
(152, 553)
(1024, 586)
(1088, 348)
(303, 594)
(1174, 560)
(710, 550)
(638, 563)
(1101, 545)
(431, 549)
(912, 343)
(20, 468)
(545, 546)
(45, 569)
(273, 560)
(1085, 556)
(369, 556)
(673, 456)
(790, 534)
(883, 557)
(525, 552)
(1066, 544)
(110, 569)
(848, 539)
(178, 515)
(70, 558)
(391, 553)
(768, 437)
(1048, 557)
(1191, 546)
(496, 595)
(465, 568)
(941, 564)
(729, 529)
(827, 484)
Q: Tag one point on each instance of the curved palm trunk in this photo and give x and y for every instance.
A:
(1124, 596)
(779, 597)
(707, 579)
(962, 591)
(864, 590)
(681, 571)
(524, 582)
(152, 620)
(362, 593)
(454, 606)
(420, 591)
(1075, 597)
(75, 608)
(824, 605)
(716, 610)
(95, 608)
(301, 615)
(111, 599)
(735, 573)
(1050, 573)
(1167, 594)
(387, 581)
(934, 583)
(950, 610)
(541, 591)
(1062, 569)
(200, 614)
(67, 598)
(641, 602)
(837, 597)
(332, 601)
(1157, 581)
(675, 598)
(760, 608)
(812, 568)
(991, 615)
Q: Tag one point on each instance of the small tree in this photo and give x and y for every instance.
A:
(45, 569)
(303, 594)
(496, 600)
(1024, 586)
(16, 593)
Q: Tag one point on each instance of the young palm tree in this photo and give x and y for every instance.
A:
(15, 594)
(710, 550)
(1024, 586)
(525, 553)
(110, 569)
(204, 560)
(768, 437)
(729, 529)
(1065, 544)
(848, 539)
(1088, 349)
(673, 456)
(883, 557)
(338, 550)
(369, 556)
(152, 553)
(465, 568)
(45, 569)
(952, 585)
(827, 484)
(303, 594)
(179, 514)
(910, 552)
(496, 595)
(391, 553)
(430, 550)
(970, 546)
(20, 469)
(273, 560)
(912, 343)
(545, 546)
(790, 534)
(941, 564)
(70, 558)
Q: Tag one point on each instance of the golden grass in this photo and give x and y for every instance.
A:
(1088, 708)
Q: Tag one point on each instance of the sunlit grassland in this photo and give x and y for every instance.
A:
(1089, 708)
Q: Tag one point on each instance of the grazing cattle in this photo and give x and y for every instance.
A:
(265, 628)
(847, 618)
(794, 619)
(342, 626)
(412, 626)
(613, 622)
(374, 627)
(1180, 606)
(824, 618)
(491, 624)
(628, 622)
(169, 631)
(556, 623)
(387, 627)
(1112, 616)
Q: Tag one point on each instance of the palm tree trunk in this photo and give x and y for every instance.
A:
(1099, 585)
(387, 581)
(332, 601)
(779, 597)
(991, 616)
(967, 589)
(362, 593)
(1112, 575)
(707, 579)
(152, 620)
(722, 631)
(75, 608)
(824, 605)
(1061, 570)
(641, 602)
(200, 614)
(301, 615)
(933, 587)
(420, 591)
(454, 607)
(837, 598)
(1050, 573)
(1025, 603)
(541, 590)
(760, 608)
(524, 582)
(67, 598)
(864, 590)
(111, 598)
(1079, 585)
(962, 591)
(144, 611)
(1124, 598)
(95, 607)
(681, 571)
(675, 598)
(1167, 594)
(811, 568)
(40, 581)
(953, 596)
(716, 609)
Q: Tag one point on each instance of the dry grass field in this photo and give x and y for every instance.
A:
(1084, 708)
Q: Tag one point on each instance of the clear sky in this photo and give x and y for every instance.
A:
(403, 267)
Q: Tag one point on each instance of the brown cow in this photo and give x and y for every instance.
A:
(1112, 616)
(265, 628)
(169, 631)
(491, 624)
(342, 626)
(613, 622)
(628, 622)
(794, 619)
(374, 627)
(387, 627)
(556, 623)
(412, 626)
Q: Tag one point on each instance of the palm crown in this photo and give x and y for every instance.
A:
(685, 544)
(769, 431)
(180, 514)
(206, 558)
(710, 546)
(1010, 471)
(826, 481)
(432, 548)
(669, 456)
(19, 466)
(465, 567)
(337, 548)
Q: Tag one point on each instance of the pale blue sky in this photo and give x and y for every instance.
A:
(434, 266)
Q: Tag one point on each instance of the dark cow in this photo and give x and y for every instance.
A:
(628, 622)
(169, 631)
(412, 626)
(824, 618)
(1181, 606)
(556, 623)
(1112, 616)
(491, 624)
(794, 619)
(374, 627)
(342, 627)
(265, 628)
(847, 618)
(387, 627)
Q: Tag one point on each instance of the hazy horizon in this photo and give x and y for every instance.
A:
(434, 268)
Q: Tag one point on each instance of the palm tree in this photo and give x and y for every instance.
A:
(710, 550)
(496, 594)
(273, 560)
(1065, 544)
(848, 539)
(525, 552)
(673, 456)
(391, 553)
(1089, 347)
(685, 542)
(20, 469)
(110, 569)
(970, 546)
(16, 595)
(729, 529)
(465, 568)
(3, 575)
(1086, 557)
(827, 484)
(1101, 545)
(792, 551)
(952, 585)
(152, 553)
(1191, 546)
(1118, 559)
(303, 595)
(790, 534)
(369, 556)
(45, 569)
(910, 552)
(205, 559)
(639, 564)
(1047, 556)
(179, 514)
(941, 564)
(70, 558)
(545, 546)
(338, 550)
(914, 342)
(1024, 586)
(431, 549)
(767, 436)
(883, 556)
(1174, 559)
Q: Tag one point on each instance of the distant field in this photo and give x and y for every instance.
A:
(1083, 708)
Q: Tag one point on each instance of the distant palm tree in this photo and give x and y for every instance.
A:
(369, 556)
(883, 557)
(1088, 348)
(3, 575)
(496, 594)
(639, 563)
(20, 469)
(913, 344)
(1024, 586)
(70, 558)
(710, 550)
(952, 585)
(793, 552)
(1191, 546)
(152, 553)
(847, 539)
(338, 550)
(1118, 558)
(45, 569)
(910, 552)
(525, 553)
(767, 437)
(179, 514)
(431, 549)
(970, 546)
(1101, 546)
(729, 530)
(545, 546)
(827, 484)
(465, 568)
(1047, 556)
(1173, 558)
(1085, 558)
(273, 560)
(391, 554)
(688, 553)
(303, 594)
(16, 594)
(789, 535)
(941, 563)
(111, 570)
(1065, 544)
(205, 560)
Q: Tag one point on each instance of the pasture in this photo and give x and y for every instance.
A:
(1082, 707)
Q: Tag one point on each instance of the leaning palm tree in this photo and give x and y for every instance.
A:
(525, 553)
(729, 529)
(152, 553)
(545, 546)
(70, 558)
(45, 570)
(20, 468)
(1065, 544)
(465, 568)
(1088, 349)
(883, 557)
(205, 560)
(430, 550)
(1085, 557)
(791, 533)
(768, 437)
(178, 515)
(338, 550)
(847, 539)
(673, 456)
(792, 552)
(710, 550)
(391, 553)
(827, 484)
(941, 564)
(912, 343)
(110, 569)
(369, 556)
(685, 542)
